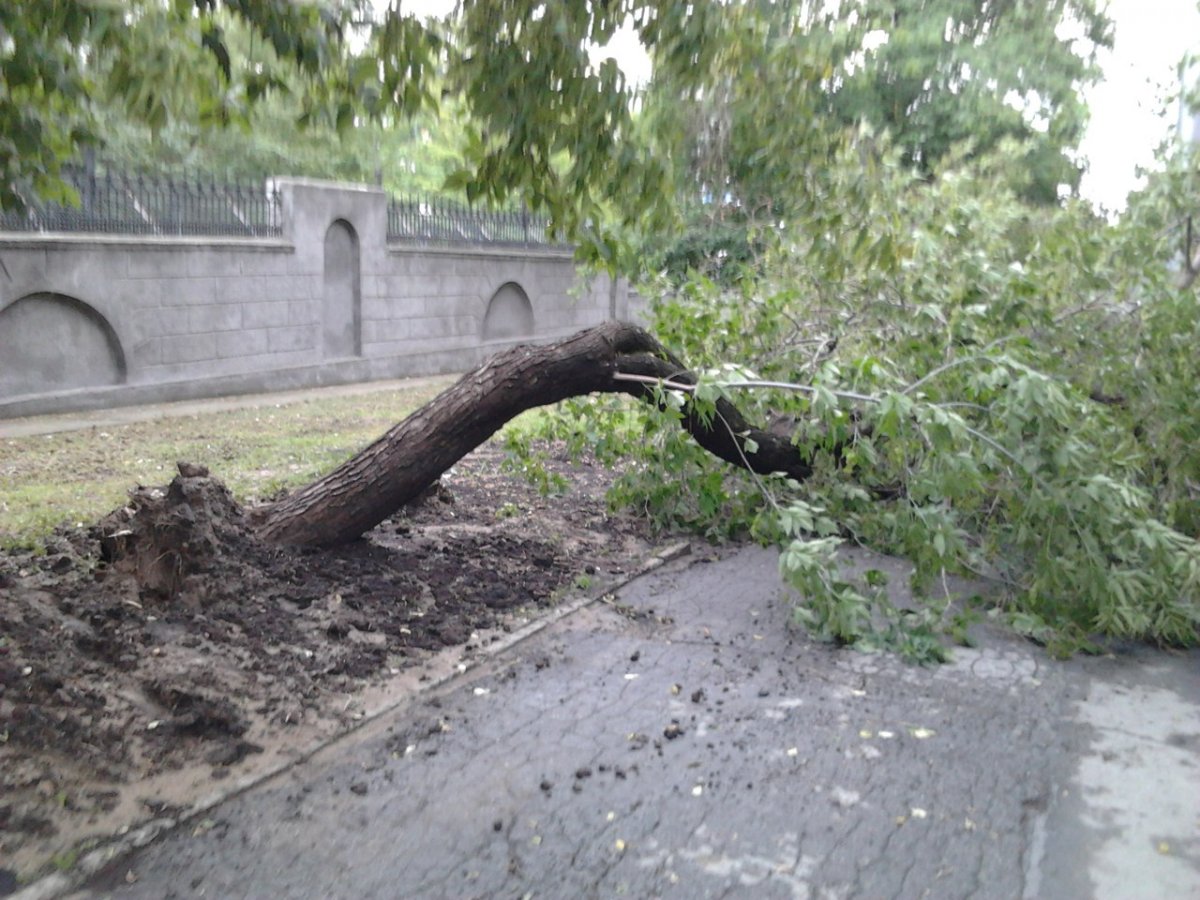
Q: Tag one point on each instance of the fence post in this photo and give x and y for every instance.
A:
(88, 202)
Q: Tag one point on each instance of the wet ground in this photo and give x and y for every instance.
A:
(679, 739)
(153, 659)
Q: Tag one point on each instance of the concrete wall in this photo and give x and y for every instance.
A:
(90, 321)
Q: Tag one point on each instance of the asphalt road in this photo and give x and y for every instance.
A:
(681, 740)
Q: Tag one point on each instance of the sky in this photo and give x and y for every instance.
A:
(1151, 37)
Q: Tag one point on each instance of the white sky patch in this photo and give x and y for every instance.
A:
(1127, 123)
(630, 55)
(872, 41)
(421, 9)
(624, 47)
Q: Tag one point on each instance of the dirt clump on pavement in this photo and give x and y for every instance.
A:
(148, 656)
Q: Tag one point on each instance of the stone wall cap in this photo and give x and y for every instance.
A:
(279, 181)
(400, 247)
(39, 240)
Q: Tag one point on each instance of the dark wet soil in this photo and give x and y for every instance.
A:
(166, 637)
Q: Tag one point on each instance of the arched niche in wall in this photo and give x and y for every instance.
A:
(341, 312)
(52, 342)
(509, 314)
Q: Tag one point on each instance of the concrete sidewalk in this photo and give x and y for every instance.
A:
(680, 740)
(124, 415)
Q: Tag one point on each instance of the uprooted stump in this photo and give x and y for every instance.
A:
(389, 473)
(170, 539)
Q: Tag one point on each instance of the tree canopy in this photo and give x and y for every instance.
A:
(944, 72)
(750, 135)
(61, 59)
(746, 97)
(543, 122)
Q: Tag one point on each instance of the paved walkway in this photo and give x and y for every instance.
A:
(123, 415)
(680, 740)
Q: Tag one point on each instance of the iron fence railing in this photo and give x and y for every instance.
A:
(115, 203)
(440, 221)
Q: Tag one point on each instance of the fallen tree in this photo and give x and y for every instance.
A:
(400, 465)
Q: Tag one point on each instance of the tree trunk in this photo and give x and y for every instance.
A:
(396, 468)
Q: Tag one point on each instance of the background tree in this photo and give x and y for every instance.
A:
(544, 123)
(748, 138)
(415, 155)
(944, 72)
(60, 58)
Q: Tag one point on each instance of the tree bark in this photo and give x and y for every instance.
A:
(396, 468)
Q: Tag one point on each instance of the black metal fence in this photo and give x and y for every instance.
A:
(439, 221)
(113, 203)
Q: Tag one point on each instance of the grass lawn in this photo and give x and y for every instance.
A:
(78, 476)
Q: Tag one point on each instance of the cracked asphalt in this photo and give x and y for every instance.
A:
(680, 739)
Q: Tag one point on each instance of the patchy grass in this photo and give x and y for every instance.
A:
(78, 476)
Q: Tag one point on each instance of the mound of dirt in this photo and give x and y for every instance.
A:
(166, 646)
